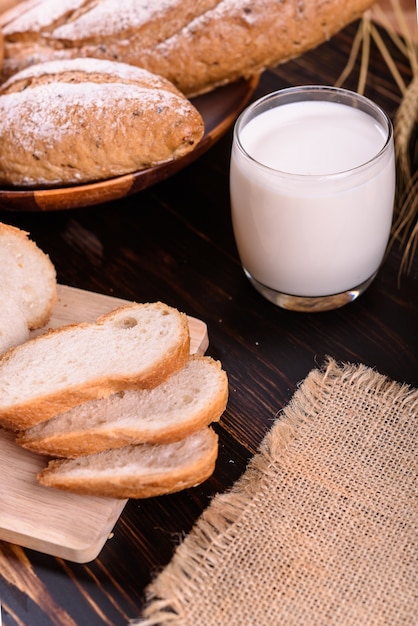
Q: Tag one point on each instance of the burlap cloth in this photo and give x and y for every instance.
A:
(322, 527)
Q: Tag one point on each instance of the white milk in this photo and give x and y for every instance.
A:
(300, 230)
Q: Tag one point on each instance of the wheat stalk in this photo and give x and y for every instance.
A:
(405, 225)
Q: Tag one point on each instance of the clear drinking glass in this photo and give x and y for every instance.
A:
(312, 186)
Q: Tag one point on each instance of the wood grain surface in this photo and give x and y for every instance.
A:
(48, 520)
(218, 109)
(174, 242)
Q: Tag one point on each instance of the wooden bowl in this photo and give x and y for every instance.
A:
(219, 110)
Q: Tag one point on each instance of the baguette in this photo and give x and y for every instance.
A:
(196, 45)
(27, 276)
(83, 120)
(189, 400)
(142, 471)
(137, 346)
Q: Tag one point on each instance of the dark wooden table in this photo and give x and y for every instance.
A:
(174, 242)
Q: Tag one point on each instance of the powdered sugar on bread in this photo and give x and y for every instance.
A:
(196, 45)
(76, 105)
(84, 120)
(114, 15)
(34, 15)
(96, 70)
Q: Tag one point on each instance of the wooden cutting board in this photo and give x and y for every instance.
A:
(62, 524)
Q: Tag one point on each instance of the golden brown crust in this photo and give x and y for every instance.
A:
(84, 120)
(92, 439)
(26, 414)
(38, 408)
(134, 484)
(1, 48)
(195, 45)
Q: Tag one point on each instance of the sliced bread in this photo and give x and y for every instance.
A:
(142, 471)
(27, 275)
(189, 400)
(137, 346)
(13, 326)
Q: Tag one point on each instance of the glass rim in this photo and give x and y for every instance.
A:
(336, 91)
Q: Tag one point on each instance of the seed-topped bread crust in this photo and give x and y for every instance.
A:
(196, 45)
(83, 120)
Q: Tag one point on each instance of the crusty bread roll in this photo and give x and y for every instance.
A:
(135, 346)
(27, 275)
(83, 120)
(196, 45)
(141, 471)
(189, 400)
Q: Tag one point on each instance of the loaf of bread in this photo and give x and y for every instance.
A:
(189, 400)
(141, 471)
(196, 45)
(137, 346)
(82, 120)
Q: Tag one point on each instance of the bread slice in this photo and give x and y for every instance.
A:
(135, 346)
(13, 326)
(142, 471)
(27, 275)
(189, 400)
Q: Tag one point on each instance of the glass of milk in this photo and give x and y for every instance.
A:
(312, 185)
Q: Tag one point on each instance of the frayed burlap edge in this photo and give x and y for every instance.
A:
(167, 596)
